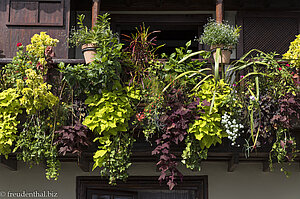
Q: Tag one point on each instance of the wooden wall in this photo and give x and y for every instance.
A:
(21, 19)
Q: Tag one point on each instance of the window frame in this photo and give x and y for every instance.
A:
(86, 184)
(37, 23)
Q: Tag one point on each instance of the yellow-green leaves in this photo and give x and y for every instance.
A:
(207, 130)
(108, 118)
(36, 95)
(293, 53)
(9, 110)
(109, 113)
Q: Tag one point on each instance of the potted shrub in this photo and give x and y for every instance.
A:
(220, 35)
(90, 39)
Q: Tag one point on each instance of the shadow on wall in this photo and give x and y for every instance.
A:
(1, 54)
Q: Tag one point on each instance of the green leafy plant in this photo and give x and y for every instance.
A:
(37, 56)
(10, 108)
(283, 150)
(140, 54)
(293, 54)
(108, 117)
(83, 35)
(106, 67)
(35, 144)
(215, 33)
(208, 128)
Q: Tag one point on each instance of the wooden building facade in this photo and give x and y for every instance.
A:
(266, 25)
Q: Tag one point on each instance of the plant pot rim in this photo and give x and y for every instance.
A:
(222, 49)
(88, 47)
(214, 47)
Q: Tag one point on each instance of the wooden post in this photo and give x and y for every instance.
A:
(95, 11)
(219, 11)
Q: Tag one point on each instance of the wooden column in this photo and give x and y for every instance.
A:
(219, 11)
(95, 11)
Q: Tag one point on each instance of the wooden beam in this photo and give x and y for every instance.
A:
(95, 11)
(233, 162)
(9, 163)
(219, 11)
(266, 166)
(83, 163)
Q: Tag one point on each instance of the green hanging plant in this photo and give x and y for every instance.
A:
(108, 118)
(10, 108)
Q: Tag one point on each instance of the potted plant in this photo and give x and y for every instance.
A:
(220, 35)
(90, 39)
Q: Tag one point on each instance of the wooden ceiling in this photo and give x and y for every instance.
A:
(188, 5)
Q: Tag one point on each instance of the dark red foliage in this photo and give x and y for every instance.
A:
(175, 124)
(72, 138)
(288, 110)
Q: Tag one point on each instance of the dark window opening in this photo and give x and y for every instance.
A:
(143, 187)
(171, 36)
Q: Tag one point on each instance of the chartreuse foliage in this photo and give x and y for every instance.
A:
(39, 43)
(108, 118)
(35, 57)
(36, 95)
(35, 140)
(207, 129)
(9, 110)
(293, 53)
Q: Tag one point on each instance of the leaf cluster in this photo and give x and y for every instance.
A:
(72, 138)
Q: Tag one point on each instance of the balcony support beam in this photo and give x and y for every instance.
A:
(266, 166)
(219, 11)
(233, 163)
(83, 163)
(95, 11)
(9, 163)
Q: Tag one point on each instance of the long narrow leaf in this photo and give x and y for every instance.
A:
(191, 55)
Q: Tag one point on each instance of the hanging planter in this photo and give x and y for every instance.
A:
(220, 35)
(225, 53)
(89, 52)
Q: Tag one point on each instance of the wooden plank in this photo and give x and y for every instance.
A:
(9, 163)
(51, 13)
(95, 11)
(23, 12)
(219, 11)
(233, 162)
(54, 16)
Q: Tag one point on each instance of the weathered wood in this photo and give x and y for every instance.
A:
(233, 162)
(9, 163)
(266, 166)
(95, 11)
(83, 163)
(21, 19)
(219, 11)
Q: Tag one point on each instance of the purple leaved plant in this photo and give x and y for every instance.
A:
(175, 124)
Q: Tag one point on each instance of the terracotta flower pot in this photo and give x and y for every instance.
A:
(225, 53)
(89, 52)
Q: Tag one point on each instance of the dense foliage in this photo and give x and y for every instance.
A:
(215, 33)
(181, 106)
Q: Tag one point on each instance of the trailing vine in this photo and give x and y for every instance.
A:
(108, 118)
(10, 108)
(175, 122)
